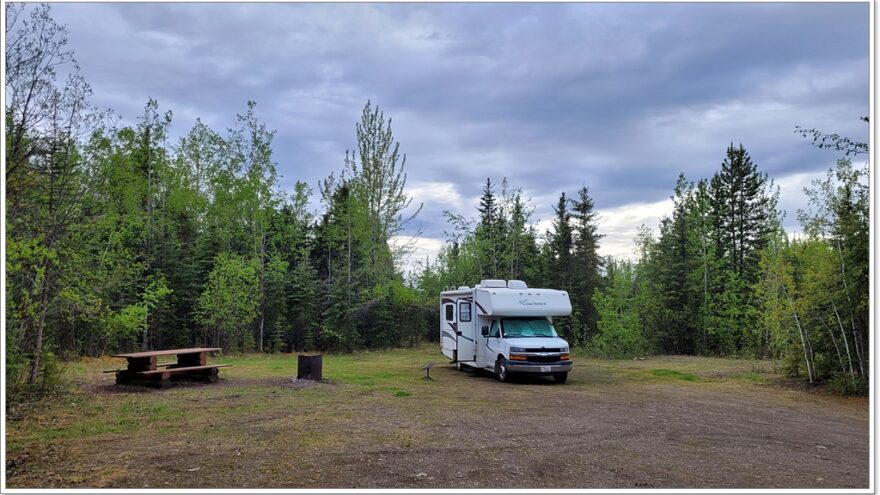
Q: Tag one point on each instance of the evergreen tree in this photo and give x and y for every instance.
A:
(522, 242)
(744, 215)
(486, 233)
(560, 241)
(675, 266)
(744, 211)
(586, 263)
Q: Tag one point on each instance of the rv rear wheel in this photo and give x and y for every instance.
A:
(501, 370)
(560, 377)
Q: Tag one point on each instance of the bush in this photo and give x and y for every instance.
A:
(844, 384)
(50, 380)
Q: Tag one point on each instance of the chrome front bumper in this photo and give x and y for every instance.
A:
(538, 367)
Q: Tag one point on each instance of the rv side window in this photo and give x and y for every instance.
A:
(464, 311)
(450, 312)
(494, 331)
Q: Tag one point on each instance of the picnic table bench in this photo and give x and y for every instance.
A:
(144, 368)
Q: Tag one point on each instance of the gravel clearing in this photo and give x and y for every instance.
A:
(609, 427)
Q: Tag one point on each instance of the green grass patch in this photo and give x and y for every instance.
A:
(84, 430)
(402, 393)
(677, 375)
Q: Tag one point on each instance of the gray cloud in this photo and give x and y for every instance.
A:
(620, 97)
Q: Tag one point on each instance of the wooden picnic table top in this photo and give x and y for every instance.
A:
(166, 352)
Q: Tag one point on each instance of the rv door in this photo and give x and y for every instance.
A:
(467, 334)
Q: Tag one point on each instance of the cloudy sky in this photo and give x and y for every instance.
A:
(618, 97)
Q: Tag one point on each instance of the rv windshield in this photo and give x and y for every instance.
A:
(527, 327)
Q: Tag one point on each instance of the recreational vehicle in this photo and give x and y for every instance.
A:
(505, 327)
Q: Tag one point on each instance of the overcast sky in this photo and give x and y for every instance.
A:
(618, 97)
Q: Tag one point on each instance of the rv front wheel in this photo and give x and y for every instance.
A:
(560, 377)
(501, 370)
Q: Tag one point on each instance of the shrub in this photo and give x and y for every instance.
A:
(844, 384)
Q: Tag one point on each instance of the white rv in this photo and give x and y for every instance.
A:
(505, 327)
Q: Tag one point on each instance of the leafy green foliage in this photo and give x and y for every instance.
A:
(814, 291)
(119, 240)
(619, 332)
(230, 301)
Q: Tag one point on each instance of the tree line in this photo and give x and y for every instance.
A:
(503, 242)
(118, 239)
(721, 277)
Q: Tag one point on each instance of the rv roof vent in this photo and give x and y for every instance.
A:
(463, 287)
(516, 284)
(493, 283)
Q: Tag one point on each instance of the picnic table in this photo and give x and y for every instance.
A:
(144, 368)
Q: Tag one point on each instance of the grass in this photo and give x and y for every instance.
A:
(368, 376)
(256, 400)
(677, 375)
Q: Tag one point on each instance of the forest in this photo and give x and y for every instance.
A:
(118, 239)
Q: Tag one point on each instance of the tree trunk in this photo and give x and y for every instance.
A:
(705, 298)
(836, 347)
(348, 279)
(845, 343)
(261, 331)
(803, 340)
(850, 305)
(38, 342)
(262, 298)
(146, 342)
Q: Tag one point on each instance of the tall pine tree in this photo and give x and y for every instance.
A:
(586, 263)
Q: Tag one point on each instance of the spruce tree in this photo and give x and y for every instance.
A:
(561, 241)
(586, 261)
(486, 233)
(745, 212)
(744, 215)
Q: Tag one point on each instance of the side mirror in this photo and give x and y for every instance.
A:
(485, 331)
(566, 330)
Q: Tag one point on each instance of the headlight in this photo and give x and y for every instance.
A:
(565, 349)
(517, 349)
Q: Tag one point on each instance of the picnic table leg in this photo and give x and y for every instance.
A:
(142, 364)
(212, 375)
(160, 380)
(191, 359)
(135, 365)
(123, 377)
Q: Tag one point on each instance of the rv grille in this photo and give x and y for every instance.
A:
(543, 350)
(543, 359)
